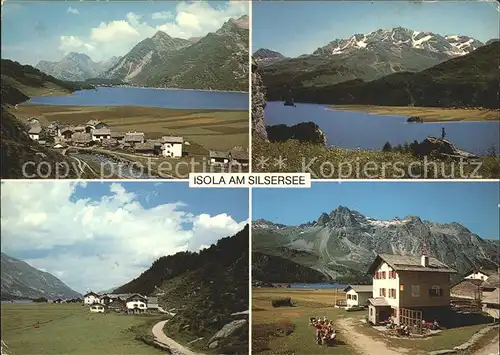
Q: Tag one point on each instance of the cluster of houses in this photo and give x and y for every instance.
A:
(131, 303)
(410, 287)
(97, 132)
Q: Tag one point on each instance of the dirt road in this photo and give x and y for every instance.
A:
(490, 349)
(175, 347)
(365, 344)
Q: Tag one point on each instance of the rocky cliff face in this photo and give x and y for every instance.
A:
(258, 103)
(343, 243)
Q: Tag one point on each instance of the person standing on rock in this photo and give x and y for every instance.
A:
(443, 133)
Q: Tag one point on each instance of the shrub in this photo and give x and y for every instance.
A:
(282, 302)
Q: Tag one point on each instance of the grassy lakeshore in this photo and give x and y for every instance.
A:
(340, 163)
(71, 329)
(211, 129)
(428, 114)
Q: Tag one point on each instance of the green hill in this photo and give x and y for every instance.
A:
(203, 290)
(18, 83)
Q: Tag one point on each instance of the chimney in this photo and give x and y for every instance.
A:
(424, 260)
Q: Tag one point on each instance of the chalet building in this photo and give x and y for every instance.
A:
(357, 295)
(91, 298)
(404, 285)
(118, 136)
(105, 300)
(117, 305)
(79, 128)
(171, 146)
(99, 134)
(479, 274)
(94, 124)
(490, 285)
(34, 132)
(133, 138)
(82, 139)
(239, 157)
(491, 303)
(147, 148)
(469, 289)
(136, 304)
(66, 133)
(152, 303)
(219, 158)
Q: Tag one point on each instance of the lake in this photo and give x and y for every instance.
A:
(354, 130)
(150, 97)
(319, 285)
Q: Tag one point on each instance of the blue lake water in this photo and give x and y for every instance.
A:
(150, 97)
(322, 285)
(354, 130)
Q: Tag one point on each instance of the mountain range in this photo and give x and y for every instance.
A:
(76, 67)
(20, 280)
(470, 80)
(341, 244)
(364, 56)
(217, 61)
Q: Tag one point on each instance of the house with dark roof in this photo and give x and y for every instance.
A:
(94, 124)
(357, 295)
(133, 138)
(239, 156)
(469, 289)
(171, 146)
(82, 139)
(490, 285)
(491, 303)
(34, 132)
(408, 284)
(480, 274)
(219, 158)
(146, 148)
(66, 132)
(152, 303)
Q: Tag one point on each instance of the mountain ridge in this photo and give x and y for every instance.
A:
(21, 280)
(340, 244)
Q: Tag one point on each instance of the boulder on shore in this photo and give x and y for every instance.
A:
(226, 331)
(304, 132)
(440, 148)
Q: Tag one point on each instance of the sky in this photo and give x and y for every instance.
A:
(473, 204)
(294, 28)
(36, 30)
(97, 236)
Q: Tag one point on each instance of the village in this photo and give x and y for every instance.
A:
(97, 134)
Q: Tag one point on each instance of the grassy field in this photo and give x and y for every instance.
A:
(286, 330)
(428, 114)
(211, 129)
(70, 329)
(334, 163)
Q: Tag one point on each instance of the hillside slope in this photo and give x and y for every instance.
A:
(469, 80)
(343, 243)
(218, 61)
(21, 280)
(18, 83)
(204, 289)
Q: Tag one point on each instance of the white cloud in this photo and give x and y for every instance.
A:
(73, 11)
(117, 37)
(163, 15)
(102, 242)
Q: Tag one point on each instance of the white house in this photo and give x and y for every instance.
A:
(34, 132)
(91, 298)
(480, 274)
(97, 308)
(136, 303)
(172, 146)
(408, 283)
(357, 295)
(100, 134)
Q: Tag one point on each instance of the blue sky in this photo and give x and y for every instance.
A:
(472, 204)
(75, 231)
(299, 27)
(32, 31)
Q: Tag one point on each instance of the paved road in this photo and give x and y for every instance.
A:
(175, 347)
